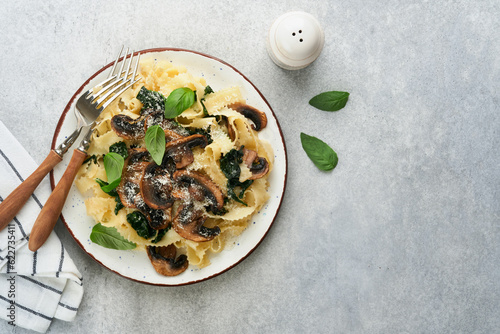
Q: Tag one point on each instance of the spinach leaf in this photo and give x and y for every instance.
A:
(330, 101)
(151, 99)
(119, 204)
(179, 100)
(110, 238)
(208, 90)
(140, 224)
(119, 148)
(323, 156)
(229, 164)
(155, 143)
(161, 234)
(204, 132)
(92, 158)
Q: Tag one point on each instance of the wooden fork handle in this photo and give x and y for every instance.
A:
(16, 200)
(51, 211)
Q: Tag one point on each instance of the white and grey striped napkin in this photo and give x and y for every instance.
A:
(35, 287)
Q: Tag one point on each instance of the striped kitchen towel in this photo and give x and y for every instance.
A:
(35, 287)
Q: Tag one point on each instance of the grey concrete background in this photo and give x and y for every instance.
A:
(402, 237)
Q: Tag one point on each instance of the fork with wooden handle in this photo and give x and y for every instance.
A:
(11, 205)
(51, 211)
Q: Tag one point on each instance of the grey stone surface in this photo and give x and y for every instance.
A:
(402, 237)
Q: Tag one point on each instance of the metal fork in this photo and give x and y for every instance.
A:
(89, 104)
(88, 107)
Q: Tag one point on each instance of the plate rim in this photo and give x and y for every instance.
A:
(163, 49)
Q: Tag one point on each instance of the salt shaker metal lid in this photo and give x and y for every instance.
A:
(295, 40)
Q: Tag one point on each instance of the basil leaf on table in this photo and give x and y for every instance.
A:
(179, 100)
(110, 238)
(330, 101)
(155, 143)
(322, 155)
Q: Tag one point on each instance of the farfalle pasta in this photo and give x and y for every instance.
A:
(193, 201)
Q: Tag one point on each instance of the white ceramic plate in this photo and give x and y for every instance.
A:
(134, 264)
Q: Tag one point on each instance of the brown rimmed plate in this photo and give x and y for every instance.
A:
(134, 264)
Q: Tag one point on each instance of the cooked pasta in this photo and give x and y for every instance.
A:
(212, 113)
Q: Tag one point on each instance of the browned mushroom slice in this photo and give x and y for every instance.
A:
(157, 219)
(230, 128)
(201, 184)
(164, 261)
(257, 165)
(133, 169)
(188, 223)
(258, 118)
(127, 127)
(156, 186)
(180, 150)
(172, 130)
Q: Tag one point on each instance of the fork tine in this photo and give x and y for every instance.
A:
(105, 105)
(124, 80)
(116, 62)
(111, 76)
(123, 62)
(116, 79)
(128, 66)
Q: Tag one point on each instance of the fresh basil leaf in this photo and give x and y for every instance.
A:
(111, 186)
(155, 143)
(119, 148)
(179, 100)
(113, 164)
(110, 238)
(323, 156)
(108, 188)
(140, 224)
(330, 101)
(151, 99)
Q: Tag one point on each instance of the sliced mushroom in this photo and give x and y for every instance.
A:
(164, 261)
(258, 117)
(133, 170)
(156, 186)
(180, 150)
(127, 127)
(230, 128)
(172, 130)
(188, 223)
(201, 184)
(257, 165)
(157, 219)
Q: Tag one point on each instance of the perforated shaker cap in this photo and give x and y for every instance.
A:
(295, 40)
